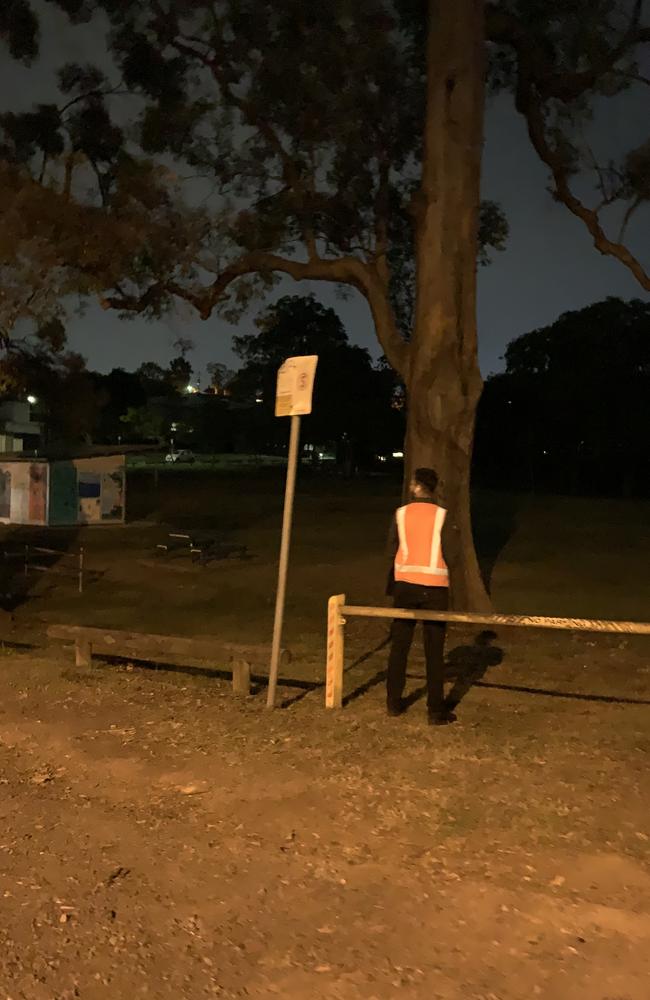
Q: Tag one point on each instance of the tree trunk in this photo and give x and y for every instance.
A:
(444, 382)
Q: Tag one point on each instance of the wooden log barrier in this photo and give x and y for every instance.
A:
(338, 611)
(159, 648)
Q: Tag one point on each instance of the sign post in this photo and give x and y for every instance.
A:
(293, 399)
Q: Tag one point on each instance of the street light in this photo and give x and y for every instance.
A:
(32, 400)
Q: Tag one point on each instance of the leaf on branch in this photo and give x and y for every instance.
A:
(75, 78)
(636, 171)
(146, 69)
(19, 29)
(32, 132)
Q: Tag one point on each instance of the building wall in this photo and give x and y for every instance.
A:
(88, 491)
(16, 424)
(9, 443)
(16, 410)
(78, 491)
(101, 489)
(23, 492)
(63, 494)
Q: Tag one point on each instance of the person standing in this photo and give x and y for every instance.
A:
(419, 581)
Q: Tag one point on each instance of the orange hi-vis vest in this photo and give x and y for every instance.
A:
(419, 557)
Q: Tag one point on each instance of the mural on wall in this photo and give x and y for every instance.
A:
(89, 490)
(62, 492)
(5, 493)
(38, 493)
(113, 496)
(20, 493)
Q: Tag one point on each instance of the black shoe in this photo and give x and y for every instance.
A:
(441, 718)
(395, 709)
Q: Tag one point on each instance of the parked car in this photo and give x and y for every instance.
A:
(180, 456)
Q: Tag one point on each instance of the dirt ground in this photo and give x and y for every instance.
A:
(161, 838)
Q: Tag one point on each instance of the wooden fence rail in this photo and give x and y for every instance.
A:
(338, 610)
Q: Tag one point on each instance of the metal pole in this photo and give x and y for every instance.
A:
(284, 560)
(81, 570)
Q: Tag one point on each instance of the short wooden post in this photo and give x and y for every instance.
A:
(83, 653)
(335, 652)
(241, 678)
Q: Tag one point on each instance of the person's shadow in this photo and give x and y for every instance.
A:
(467, 665)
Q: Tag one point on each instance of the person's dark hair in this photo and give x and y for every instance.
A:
(427, 478)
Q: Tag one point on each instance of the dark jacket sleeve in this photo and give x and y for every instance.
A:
(392, 545)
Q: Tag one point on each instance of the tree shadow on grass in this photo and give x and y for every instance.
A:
(494, 519)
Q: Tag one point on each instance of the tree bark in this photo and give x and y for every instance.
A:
(443, 381)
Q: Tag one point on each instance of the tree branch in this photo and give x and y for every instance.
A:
(291, 174)
(530, 106)
(631, 209)
(564, 85)
(344, 270)
(539, 81)
(392, 342)
(381, 221)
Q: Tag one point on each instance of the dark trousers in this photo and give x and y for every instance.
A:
(410, 595)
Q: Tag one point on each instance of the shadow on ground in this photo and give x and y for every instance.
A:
(29, 554)
(466, 667)
(494, 519)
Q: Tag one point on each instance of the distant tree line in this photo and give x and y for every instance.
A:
(358, 403)
(571, 412)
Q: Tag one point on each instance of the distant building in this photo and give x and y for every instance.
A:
(87, 489)
(18, 432)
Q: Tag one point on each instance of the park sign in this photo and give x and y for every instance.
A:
(294, 391)
(295, 386)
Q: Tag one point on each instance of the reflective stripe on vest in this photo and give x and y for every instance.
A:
(419, 558)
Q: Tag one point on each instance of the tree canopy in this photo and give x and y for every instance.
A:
(334, 169)
(353, 398)
(570, 412)
(248, 96)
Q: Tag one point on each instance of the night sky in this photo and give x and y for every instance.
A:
(549, 266)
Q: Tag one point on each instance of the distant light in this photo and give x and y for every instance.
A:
(191, 389)
(32, 400)
(321, 455)
(258, 399)
(398, 454)
(382, 458)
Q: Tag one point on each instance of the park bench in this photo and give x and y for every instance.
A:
(154, 648)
